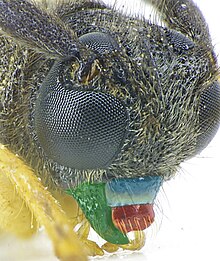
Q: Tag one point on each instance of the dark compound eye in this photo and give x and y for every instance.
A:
(209, 115)
(99, 42)
(179, 41)
(78, 129)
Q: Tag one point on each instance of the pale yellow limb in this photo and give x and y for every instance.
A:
(136, 244)
(45, 208)
(70, 207)
(110, 248)
(92, 248)
(84, 229)
(15, 216)
(76, 217)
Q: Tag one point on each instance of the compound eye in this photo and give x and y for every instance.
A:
(99, 42)
(209, 115)
(79, 129)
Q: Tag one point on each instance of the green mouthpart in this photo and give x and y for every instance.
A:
(92, 200)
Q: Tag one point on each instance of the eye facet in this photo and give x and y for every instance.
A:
(209, 115)
(179, 41)
(99, 42)
(76, 128)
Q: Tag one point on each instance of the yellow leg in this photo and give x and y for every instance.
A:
(43, 205)
(76, 217)
(92, 247)
(136, 244)
(70, 207)
(15, 216)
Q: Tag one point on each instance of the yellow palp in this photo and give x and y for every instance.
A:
(136, 244)
(45, 208)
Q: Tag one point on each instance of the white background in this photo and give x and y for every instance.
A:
(188, 212)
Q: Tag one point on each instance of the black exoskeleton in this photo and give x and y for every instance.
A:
(87, 91)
